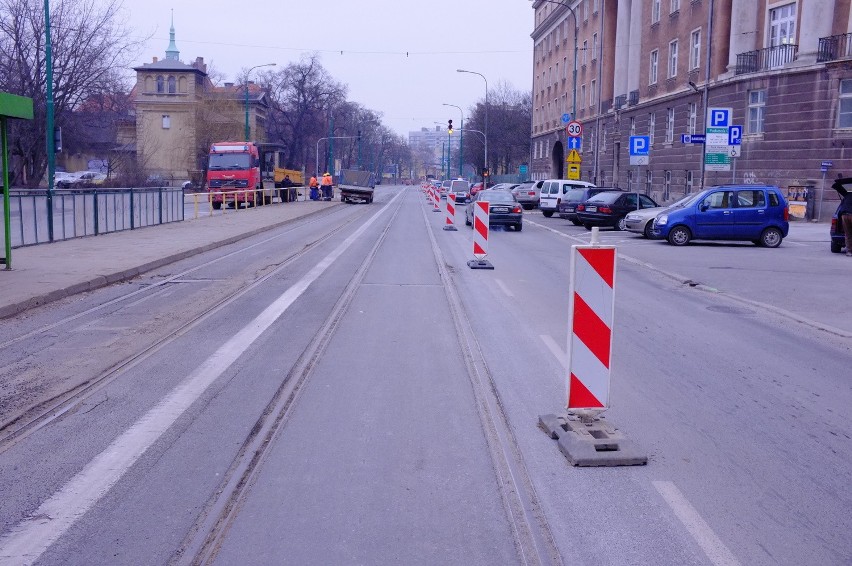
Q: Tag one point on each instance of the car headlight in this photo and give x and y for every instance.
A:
(662, 219)
(632, 216)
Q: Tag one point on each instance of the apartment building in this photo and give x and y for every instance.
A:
(784, 68)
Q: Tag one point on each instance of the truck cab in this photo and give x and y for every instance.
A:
(233, 174)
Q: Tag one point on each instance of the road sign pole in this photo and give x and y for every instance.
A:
(821, 193)
(733, 169)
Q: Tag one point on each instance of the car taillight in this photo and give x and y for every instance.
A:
(531, 193)
(833, 229)
(786, 213)
(581, 207)
(516, 210)
(605, 209)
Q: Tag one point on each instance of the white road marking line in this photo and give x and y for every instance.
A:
(711, 544)
(31, 537)
(555, 349)
(504, 288)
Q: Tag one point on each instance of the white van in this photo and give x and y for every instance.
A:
(552, 191)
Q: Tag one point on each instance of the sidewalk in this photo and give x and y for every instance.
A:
(49, 272)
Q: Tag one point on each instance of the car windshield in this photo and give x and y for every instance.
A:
(459, 186)
(230, 161)
(606, 197)
(496, 196)
(445, 184)
(685, 201)
(574, 194)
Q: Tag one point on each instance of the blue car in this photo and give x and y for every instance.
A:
(754, 213)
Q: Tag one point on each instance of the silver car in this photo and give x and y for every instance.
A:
(642, 221)
(527, 194)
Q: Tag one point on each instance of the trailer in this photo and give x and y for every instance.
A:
(356, 186)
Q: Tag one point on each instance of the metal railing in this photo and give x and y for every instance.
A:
(766, 59)
(834, 47)
(89, 212)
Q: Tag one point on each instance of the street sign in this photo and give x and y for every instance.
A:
(573, 157)
(692, 138)
(574, 129)
(827, 164)
(716, 137)
(575, 143)
(574, 172)
(640, 159)
(719, 117)
(735, 150)
(640, 145)
(735, 135)
(566, 118)
(523, 169)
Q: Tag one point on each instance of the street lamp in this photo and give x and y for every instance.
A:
(486, 111)
(248, 131)
(49, 110)
(461, 138)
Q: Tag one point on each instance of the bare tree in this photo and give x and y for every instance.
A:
(509, 119)
(89, 43)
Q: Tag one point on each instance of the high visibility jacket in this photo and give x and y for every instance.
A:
(313, 182)
(326, 180)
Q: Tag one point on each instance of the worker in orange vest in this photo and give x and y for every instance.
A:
(327, 186)
(314, 186)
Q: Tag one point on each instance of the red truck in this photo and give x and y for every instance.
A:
(233, 174)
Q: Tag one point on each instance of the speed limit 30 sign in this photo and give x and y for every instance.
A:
(574, 129)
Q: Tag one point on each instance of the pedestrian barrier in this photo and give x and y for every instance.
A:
(583, 436)
(450, 224)
(436, 200)
(480, 236)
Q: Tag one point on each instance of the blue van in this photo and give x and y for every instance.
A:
(755, 213)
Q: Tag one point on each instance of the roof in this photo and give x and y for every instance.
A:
(169, 65)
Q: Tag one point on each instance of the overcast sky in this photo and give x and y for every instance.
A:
(491, 37)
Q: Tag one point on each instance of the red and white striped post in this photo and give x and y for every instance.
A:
(436, 200)
(480, 236)
(591, 306)
(450, 224)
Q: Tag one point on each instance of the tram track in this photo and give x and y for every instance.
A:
(208, 534)
(51, 410)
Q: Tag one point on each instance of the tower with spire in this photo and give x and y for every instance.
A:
(172, 52)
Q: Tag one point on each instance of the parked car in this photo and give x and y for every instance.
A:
(461, 189)
(445, 186)
(552, 192)
(838, 237)
(568, 206)
(476, 187)
(755, 213)
(503, 209)
(642, 221)
(608, 209)
(63, 180)
(527, 193)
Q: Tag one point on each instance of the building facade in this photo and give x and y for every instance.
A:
(429, 146)
(653, 67)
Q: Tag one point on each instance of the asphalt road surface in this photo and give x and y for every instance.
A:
(344, 390)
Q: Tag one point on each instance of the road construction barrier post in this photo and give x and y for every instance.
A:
(436, 200)
(480, 236)
(450, 224)
(583, 436)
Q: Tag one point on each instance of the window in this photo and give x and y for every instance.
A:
(689, 182)
(693, 117)
(172, 85)
(675, 6)
(669, 125)
(596, 7)
(694, 49)
(756, 110)
(582, 96)
(782, 25)
(844, 116)
(632, 125)
(652, 71)
(161, 84)
(751, 199)
(649, 179)
(719, 199)
(557, 72)
(655, 11)
(629, 179)
(652, 125)
(667, 187)
(564, 68)
(673, 59)
(594, 47)
(603, 139)
(167, 121)
(593, 94)
(585, 50)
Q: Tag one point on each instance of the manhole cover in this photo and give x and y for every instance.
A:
(729, 310)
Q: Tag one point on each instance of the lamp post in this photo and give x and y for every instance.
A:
(329, 138)
(248, 131)
(51, 155)
(461, 139)
(486, 112)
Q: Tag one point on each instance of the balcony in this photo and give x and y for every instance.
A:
(835, 47)
(634, 98)
(620, 101)
(766, 59)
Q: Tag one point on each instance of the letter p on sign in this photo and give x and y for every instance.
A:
(720, 117)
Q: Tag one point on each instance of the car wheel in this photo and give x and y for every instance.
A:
(576, 222)
(648, 232)
(217, 205)
(547, 213)
(836, 247)
(587, 226)
(519, 227)
(771, 238)
(679, 236)
(621, 224)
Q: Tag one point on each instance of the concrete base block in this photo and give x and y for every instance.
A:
(480, 264)
(436, 210)
(595, 443)
(450, 228)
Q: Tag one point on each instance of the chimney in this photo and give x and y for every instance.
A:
(199, 64)
(155, 59)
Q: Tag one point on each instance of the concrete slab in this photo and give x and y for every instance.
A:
(595, 443)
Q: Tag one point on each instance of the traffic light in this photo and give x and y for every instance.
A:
(449, 126)
(485, 172)
(359, 135)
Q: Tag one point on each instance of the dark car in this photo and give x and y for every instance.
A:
(838, 237)
(610, 207)
(567, 208)
(503, 209)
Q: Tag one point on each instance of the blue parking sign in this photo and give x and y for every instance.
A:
(735, 135)
(640, 145)
(719, 117)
